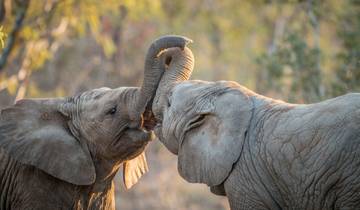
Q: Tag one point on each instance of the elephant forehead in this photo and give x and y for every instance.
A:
(95, 94)
(187, 92)
(195, 95)
(102, 95)
(94, 100)
(190, 87)
(182, 92)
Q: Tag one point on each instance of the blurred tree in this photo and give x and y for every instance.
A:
(20, 9)
(45, 27)
(348, 67)
(293, 65)
(293, 62)
(296, 63)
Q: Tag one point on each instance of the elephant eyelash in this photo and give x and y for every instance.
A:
(197, 121)
(168, 102)
(169, 99)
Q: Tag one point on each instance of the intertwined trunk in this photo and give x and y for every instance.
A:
(179, 64)
(153, 71)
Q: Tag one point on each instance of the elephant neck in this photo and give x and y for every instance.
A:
(94, 199)
(265, 107)
(105, 173)
(101, 194)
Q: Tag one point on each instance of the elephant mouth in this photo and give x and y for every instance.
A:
(130, 145)
(150, 122)
(139, 136)
(132, 140)
(142, 136)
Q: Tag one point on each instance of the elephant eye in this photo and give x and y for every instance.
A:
(112, 111)
(169, 99)
(197, 121)
(201, 117)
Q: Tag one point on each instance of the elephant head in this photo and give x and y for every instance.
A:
(79, 139)
(85, 138)
(204, 123)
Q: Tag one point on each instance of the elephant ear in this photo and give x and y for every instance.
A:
(208, 152)
(134, 169)
(35, 133)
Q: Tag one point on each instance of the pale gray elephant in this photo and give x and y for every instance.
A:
(260, 152)
(64, 153)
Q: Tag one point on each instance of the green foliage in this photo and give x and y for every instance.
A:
(2, 37)
(297, 65)
(348, 67)
(296, 62)
(302, 51)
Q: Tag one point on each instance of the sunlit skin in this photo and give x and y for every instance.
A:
(73, 147)
(260, 152)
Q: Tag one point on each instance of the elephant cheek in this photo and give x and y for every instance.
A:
(169, 141)
(172, 146)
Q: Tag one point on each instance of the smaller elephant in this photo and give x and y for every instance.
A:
(63, 153)
(260, 152)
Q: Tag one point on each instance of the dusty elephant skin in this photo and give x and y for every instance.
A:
(259, 152)
(63, 153)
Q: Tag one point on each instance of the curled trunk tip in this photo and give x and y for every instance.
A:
(153, 71)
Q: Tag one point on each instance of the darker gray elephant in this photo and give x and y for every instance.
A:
(64, 153)
(259, 152)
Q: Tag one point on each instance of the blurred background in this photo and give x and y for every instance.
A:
(301, 51)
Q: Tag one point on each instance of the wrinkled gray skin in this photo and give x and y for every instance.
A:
(63, 153)
(260, 152)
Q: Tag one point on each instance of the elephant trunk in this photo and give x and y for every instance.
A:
(153, 72)
(180, 64)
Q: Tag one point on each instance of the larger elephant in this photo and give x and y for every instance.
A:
(260, 152)
(63, 153)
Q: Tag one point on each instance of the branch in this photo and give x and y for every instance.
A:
(20, 16)
(2, 10)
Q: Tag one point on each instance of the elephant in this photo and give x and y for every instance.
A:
(63, 153)
(260, 152)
